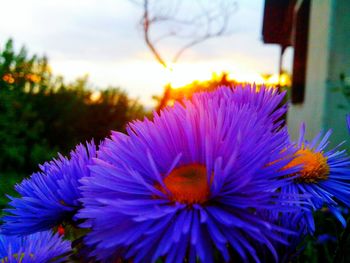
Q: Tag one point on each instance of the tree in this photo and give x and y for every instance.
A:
(171, 21)
(41, 115)
(207, 20)
(21, 145)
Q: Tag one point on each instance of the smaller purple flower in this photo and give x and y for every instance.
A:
(50, 196)
(41, 247)
(324, 238)
(348, 122)
(324, 176)
(293, 220)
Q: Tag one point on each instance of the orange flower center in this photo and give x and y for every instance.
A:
(314, 165)
(188, 184)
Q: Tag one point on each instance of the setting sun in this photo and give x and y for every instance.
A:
(181, 74)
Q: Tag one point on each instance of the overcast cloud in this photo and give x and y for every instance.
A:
(101, 38)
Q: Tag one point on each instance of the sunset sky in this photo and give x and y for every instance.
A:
(102, 39)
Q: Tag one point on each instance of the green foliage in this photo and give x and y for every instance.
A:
(41, 115)
(344, 90)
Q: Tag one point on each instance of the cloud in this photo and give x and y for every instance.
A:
(102, 38)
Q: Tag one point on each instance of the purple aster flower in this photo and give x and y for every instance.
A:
(325, 175)
(324, 238)
(41, 247)
(293, 220)
(266, 100)
(49, 197)
(190, 182)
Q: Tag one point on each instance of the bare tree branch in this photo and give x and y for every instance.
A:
(196, 28)
(146, 26)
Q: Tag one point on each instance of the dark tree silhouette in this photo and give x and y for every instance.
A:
(41, 115)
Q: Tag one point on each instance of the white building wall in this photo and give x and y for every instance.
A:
(312, 110)
(324, 106)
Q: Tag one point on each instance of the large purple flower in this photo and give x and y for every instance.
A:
(51, 196)
(325, 176)
(41, 247)
(191, 181)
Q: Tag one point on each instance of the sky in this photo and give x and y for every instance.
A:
(102, 38)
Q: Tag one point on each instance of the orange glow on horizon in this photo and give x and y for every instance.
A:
(95, 96)
(183, 80)
(182, 74)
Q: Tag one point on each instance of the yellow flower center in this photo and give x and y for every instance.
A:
(314, 165)
(188, 184)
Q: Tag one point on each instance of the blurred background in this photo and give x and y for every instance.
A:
(71, 71)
